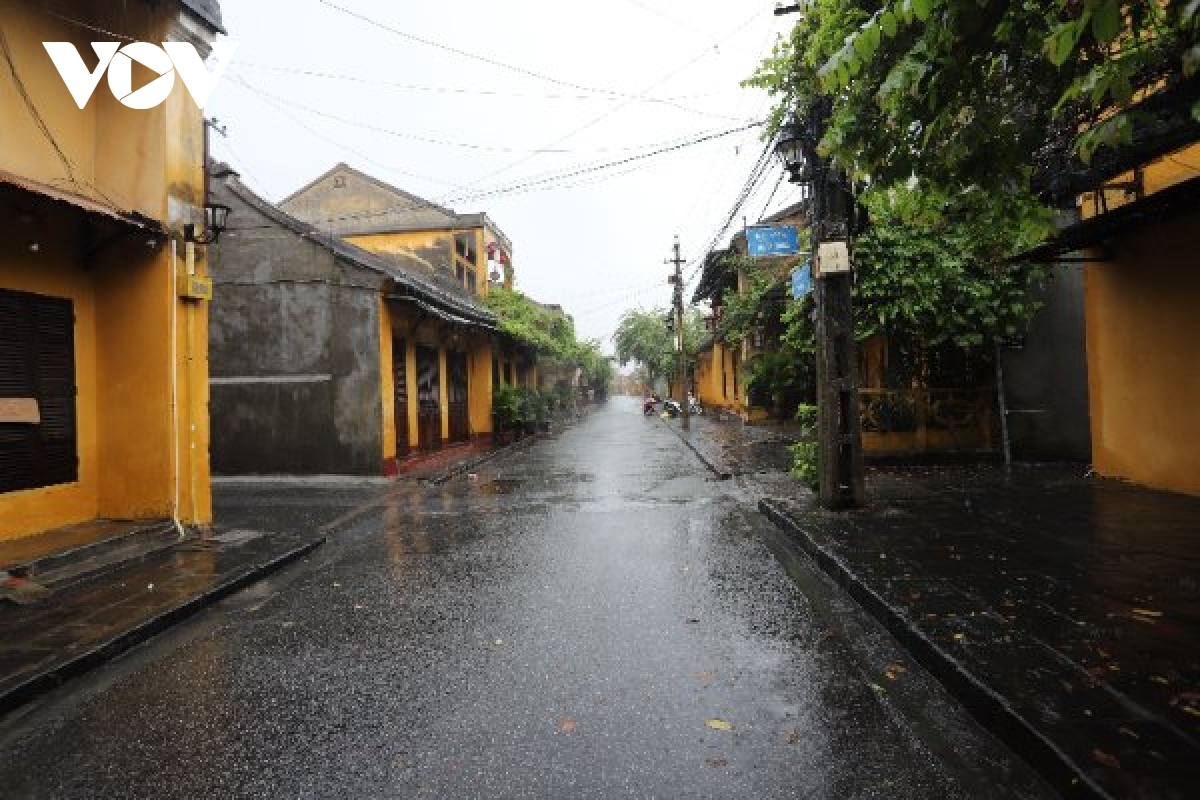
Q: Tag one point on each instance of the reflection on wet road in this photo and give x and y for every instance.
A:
(589, 617)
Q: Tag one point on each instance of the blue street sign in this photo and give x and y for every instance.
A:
(775, 240)
(802, 280)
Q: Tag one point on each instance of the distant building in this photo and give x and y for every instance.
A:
(329, 358)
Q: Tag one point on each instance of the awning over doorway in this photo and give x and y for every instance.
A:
(18, 186)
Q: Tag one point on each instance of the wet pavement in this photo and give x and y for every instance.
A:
(1074, 600)
(590, 616)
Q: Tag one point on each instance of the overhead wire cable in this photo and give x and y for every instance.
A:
(342, 76)
(621, 106)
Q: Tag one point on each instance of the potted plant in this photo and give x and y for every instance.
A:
(544, 405)
(506, 413)
(529, 409)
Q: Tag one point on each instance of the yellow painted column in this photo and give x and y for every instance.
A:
(387, 380)
(443, 397)
(410, 373)
(479, 385)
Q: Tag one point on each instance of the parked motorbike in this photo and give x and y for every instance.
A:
(672, 408)
(648, 405)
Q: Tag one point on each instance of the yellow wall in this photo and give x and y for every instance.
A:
(397, 321)
(127, 310)
(52, 273)
(1140, 310)
(1141, 336)
(1156, 175)
(418, 246)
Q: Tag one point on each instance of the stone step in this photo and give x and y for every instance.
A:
(128, 543)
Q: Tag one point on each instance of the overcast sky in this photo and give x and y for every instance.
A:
(539, 89)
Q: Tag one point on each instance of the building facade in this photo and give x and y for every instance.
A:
(330, 359)
(103, 358)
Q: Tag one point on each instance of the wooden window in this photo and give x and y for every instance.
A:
(37, 362)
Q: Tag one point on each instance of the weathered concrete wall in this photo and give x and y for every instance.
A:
(294, 355)
(1046, 381)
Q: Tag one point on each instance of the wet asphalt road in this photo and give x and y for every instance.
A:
(573, 621)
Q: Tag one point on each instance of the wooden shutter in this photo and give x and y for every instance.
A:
(37, 360)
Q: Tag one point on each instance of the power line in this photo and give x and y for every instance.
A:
(618, 163)
(342, 76)
(767, 205)
(426, 139)
(540, 183)
(630, 99)
(466, 53)
(340, 144)
(748, 189)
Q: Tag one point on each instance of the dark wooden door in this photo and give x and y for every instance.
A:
(429, 405)
(37, 362)
(456, 388)
(400, 379)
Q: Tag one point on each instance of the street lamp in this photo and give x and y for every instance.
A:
(216, 219)
(794, 151)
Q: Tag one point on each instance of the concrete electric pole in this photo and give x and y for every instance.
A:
(680, 352)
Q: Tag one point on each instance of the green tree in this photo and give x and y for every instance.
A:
(546, 332)
(966, 92)
(644, 337)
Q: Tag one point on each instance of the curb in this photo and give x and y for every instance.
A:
(713, 467)
(467, 466)
(56, 676)
(988, 707)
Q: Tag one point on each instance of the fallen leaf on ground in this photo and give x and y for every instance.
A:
(958, 637)
(1160, 679)
(793, 736)
(719, 724)
(877, 688)
(1127, 732)
(566, 725)
(705, 677)
(692, 621)
(359, 606)
(895, 671)
(1147, 612)
(1106, 759)
(716, 763)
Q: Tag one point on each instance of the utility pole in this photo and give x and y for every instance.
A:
(833, 214)
(680, 352)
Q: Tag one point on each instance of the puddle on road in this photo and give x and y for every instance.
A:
(498, 486)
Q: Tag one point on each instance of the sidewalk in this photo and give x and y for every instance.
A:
(1063, 610)
(82, 625)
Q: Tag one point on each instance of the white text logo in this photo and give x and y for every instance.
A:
(165, 61)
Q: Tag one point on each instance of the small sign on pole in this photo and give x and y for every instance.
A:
(833, 257)
(802, 281)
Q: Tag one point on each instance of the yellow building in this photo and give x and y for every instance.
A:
(720, 376)
(1138, 211)
(103, 370)
(463, 253)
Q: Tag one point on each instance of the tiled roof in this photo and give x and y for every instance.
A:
(445, 295)
(207, 10)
